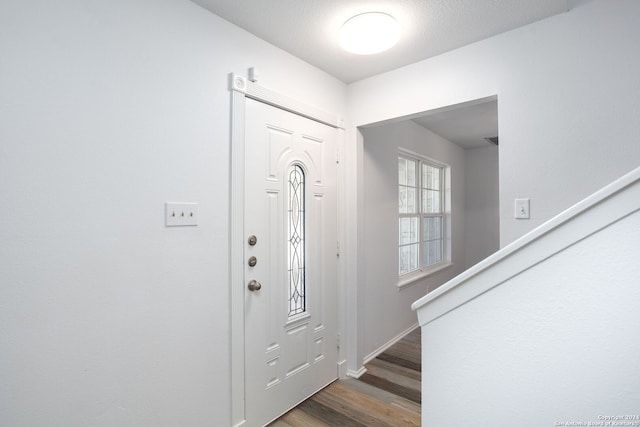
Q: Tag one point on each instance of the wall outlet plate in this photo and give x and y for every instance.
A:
(179, 214)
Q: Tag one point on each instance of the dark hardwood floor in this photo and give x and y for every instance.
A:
(388, 394)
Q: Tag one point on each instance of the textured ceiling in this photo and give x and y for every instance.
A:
(308, 28)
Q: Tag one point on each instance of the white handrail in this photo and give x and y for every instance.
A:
(535, 246)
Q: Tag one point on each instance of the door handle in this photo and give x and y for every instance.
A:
(254, 285)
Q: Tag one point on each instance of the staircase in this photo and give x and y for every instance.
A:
(546, 331)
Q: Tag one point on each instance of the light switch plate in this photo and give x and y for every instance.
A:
(522, 209)
(181, 214)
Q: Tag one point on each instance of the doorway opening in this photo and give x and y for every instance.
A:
(454, 138)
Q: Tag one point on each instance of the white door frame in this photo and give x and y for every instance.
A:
(241, 89)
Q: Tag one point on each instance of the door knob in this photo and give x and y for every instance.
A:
(254, 285)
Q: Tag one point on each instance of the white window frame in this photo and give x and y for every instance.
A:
(445, 190)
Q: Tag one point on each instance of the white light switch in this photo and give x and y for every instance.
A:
(181, 213)
(522, 209)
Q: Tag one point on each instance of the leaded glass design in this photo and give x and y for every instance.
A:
(296, 252)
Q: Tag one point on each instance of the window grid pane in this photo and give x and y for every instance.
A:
(411, 173)
(407, 186)
(432, 233)
(408, 258)
(431, 228)
(432, 252)
(409, 230)
(407, 202)
(402, 171)
(431, 201)
(431, 177)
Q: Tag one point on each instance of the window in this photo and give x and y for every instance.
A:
(296, 216)
(421, 209)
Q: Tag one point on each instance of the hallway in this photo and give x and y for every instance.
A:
(388, 394)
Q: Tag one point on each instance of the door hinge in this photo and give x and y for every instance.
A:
(338, 249)
(338, 340)
(337, 156)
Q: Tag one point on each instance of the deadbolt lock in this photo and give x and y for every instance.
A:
(253, 240)
(252, 261)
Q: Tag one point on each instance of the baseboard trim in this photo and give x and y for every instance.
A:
(356, 374)
(388, 344)
(342, 369)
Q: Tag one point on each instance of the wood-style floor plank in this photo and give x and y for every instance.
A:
(400, 390)
(298, 418)
(388, 372)
(387, 395)
(363, 408)
(398, 369)
(327, 414)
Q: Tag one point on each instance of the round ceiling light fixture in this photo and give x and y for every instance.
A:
(369, 33)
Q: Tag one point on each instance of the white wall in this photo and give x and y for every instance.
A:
(557, 343)
(111, 108)
(482, 209)
(108, 109)
(384, 310)
(568, 88)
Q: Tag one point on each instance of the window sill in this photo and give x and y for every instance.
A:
(412, 278)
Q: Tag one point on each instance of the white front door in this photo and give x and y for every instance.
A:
(291, 231)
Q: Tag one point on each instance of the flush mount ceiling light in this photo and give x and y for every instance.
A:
(369, 33)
